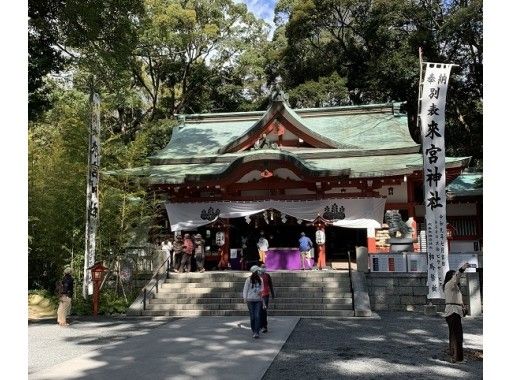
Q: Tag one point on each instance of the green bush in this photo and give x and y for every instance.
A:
(112, 303)
(81, 306)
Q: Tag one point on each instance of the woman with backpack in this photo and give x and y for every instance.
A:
(65, 295)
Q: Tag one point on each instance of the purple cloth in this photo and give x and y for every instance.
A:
(284, 258)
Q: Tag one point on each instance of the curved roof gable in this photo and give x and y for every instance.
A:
(281, 112)
(376, 127)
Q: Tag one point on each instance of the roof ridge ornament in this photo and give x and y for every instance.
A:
(278, 95)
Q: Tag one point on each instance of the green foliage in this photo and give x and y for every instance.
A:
(81, 306)
(43, 58)
(374, 46)
(110, 303)
(326, 92)
(57, 146)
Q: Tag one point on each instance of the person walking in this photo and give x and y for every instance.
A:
(178, 249)
(199, 252)
(267, 289)
(65, 297)
(305, 248)
(252, 295)
(187, 252)
(454, 312)
(263, 246)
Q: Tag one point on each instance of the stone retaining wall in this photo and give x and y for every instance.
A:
(408, 291)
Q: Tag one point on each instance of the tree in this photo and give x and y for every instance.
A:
(373, 44)
(43, 57)
(188, 47)
(326, 92)
(56, 199)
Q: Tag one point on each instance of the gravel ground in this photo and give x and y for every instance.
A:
(50, 344)
(392, 346)
(387, 346)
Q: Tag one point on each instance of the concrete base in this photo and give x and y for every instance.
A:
(400, 245)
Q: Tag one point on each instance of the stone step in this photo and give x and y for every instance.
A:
(242, 306)
(240, 285)
(278, 300)
(241, 276)
(282, 292)
(244, 313)
(298, 293)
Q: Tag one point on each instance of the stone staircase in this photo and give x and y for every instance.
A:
(303, 293)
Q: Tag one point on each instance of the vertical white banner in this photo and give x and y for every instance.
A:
(92, 213)
(432, 117)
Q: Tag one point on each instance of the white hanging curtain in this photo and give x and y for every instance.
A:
(349, 213)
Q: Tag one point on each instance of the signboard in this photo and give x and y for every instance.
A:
(432, 118)
(388, 263)
(417, 262)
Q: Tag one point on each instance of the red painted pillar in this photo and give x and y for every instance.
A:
(321, 261)
(371, 240)
(95, 298)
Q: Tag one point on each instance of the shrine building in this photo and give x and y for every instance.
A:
(283, 171)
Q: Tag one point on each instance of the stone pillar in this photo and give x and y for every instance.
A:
(362, 259)
(474, 294)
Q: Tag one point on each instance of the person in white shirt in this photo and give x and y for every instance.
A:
(252, 295)
(263, 246)
(454, 312)
(166, 247)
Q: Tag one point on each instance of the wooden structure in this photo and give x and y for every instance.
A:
(285, 156)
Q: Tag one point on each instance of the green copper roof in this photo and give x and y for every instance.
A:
(357, 142)
(355, 127)
(356, 167)
(371, 131)
(466, 184)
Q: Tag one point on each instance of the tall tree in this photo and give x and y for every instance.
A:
(43, 54)
(373, 44)
(187, 47)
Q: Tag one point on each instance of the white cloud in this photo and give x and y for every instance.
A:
(263, 9)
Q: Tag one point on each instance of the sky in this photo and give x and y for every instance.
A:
(263, 9)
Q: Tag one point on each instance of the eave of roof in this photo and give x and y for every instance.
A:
(466, 185)
(354, 167)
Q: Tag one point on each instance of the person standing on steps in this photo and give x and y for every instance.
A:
(252, 295)
(305, 248)
(66, 295)
(187, 248)
(263, 246)
(454, 312)
(166, 247)
(199, 252)
(178, 248)
(267, 289)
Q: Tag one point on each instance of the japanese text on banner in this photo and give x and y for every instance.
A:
(432, 117)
